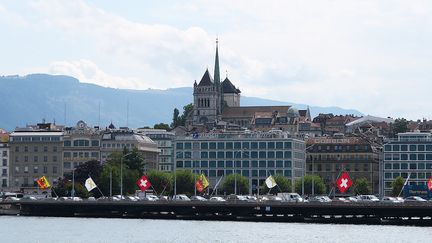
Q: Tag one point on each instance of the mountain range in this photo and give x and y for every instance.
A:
(65, 100)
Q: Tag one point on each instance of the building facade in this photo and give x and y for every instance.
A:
(35, 151)
(328, 156)
(408, 156)
(80, 144)
(4, 159)
(119, 139)
(164, 142)
(255, 156)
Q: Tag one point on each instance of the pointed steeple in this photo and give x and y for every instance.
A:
(216, 68)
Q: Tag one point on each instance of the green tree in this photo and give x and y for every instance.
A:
(186, 110)
(162, 182)
(91, 168)
(134, 160)
(228, 184)
(319, 185)
(400, 126)
(176, 120)
(397, 186)
(64, 189)
(361, 186)
(162, 126)
(185, 182)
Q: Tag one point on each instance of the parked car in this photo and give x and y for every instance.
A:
(290, 197)
(415, 199)
(198, 198)
(390, 200)
(368, 198)
(91, 199)
(163, 198)
(353, 199)
(217, 199)
(341, 199)
(181, 197)
(251, 198)
(321, 199)
(234, 198)
(152, 198)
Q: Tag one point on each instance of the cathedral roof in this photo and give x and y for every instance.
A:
(206, 80)
(228, 87)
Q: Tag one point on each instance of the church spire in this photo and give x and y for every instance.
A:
(216, 68)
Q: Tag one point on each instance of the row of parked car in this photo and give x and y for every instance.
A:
(281, 197)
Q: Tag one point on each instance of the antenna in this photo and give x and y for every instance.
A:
(65, 114)
(99, 115)
(127, 114)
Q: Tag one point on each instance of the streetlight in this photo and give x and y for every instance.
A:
(121, 174)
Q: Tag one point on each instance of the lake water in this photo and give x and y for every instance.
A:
(46, 229)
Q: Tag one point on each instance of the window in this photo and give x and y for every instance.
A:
(254, 145)
(287, 164)
(237, 145)
(413, 156)
(54, 169)
(35, 159)
(279, 145)
(262, 163)
(55, 160)
(221, 164)
(229, 164)
(254, 163)
(287, 145)
(55, 149)
(396, 147)
(212, 145)
(204, 145)
(35, 149)
(229, 145)
(4, 162)
(279, 163)
(35, 169)
(413, 166)
(387, 166)
(204, 164)
(25, 158)
(388, 175)
(262, 154)
(95, 143)
(25, 169)
(404, 147)
(404, 166)
(245, 164)
(271, 163)
(396, 166)
(221, 145)
(213, 164)
(45, 169)
(262, 145)
(220, 154)
(246, 146)
(25, 149)
(413, 147)
(204, 155)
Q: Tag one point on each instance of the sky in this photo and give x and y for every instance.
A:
(373, 56)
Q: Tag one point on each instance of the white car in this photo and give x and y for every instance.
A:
(291, 197)
(368, 198)
(181, 197)
(390, 200)
(217, 199)
(415, 199)
(152, 198)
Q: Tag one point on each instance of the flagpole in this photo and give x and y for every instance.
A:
(406, 182)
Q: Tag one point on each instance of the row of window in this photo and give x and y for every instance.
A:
(237, 155)
(406, 166)
(36, 149)
(36, 158)
(338, 167)
(234, 145)
(44, 169)
(406, 147)
(237, 164)
(35, 139)
(339, 147)
(415, 175)
(411, 156)
(81, 154)
(340, 156)
(389, 186)
(81, 143)
(246, 173)
(118, 145)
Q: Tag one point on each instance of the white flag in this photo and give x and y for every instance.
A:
(270, 182)
(90, 184)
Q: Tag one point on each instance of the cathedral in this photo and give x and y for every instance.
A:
(216, 104)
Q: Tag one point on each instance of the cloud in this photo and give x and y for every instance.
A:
(354, 54)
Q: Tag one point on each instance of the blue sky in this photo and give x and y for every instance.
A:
(373, 56)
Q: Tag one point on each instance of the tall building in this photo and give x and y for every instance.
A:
(35, 151)
(410, 155)
(80, 144)
(164, 141)
(253, 155)
(4, 159)
(328, 156)
(217, 105)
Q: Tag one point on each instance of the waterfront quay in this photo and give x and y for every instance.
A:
(351, 213)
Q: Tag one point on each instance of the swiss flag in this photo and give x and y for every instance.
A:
(143, 183)
(429, 184)
(343, 182)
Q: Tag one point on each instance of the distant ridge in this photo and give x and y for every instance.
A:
(29, 99)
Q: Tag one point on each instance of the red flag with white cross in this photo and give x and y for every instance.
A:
(343, 182)
(143, 183)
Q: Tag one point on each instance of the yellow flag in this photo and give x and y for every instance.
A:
(43, 183)
(204, 181)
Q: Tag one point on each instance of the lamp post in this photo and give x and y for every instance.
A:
(121, 174)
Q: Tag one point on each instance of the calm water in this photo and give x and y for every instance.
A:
(44, 230)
